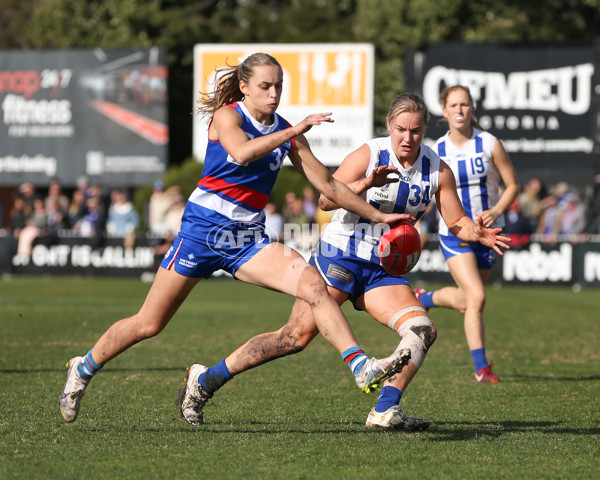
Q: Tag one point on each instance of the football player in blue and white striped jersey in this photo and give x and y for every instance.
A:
(479, 163)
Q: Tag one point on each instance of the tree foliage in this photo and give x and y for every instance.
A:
(392, 26)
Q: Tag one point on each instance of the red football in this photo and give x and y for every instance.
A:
(400, 248)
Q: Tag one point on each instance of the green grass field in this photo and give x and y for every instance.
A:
(300, 417)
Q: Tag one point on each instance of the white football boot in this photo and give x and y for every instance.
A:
(74, 388)
(395, 419)
(375, 371)
(193, 397)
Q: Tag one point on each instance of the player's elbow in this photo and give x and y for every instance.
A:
(325, 204)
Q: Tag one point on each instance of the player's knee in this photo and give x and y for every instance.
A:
(311, 287)
(475, 300)
(149, 331)
(461, 307)
(421, 328)
(146, 328)
(294, 340)
(418, 334)
(432, 334)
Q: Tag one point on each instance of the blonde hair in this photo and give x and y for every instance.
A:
(227, 89)
(443, 98)
(407, 102)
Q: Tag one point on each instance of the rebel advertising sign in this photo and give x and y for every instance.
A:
(540, 101)
(94, 112)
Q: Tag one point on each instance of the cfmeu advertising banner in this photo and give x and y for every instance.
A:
(66, 113)
(541, 101)
(317, 78)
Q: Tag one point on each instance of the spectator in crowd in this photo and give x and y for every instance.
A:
(76, 209)
(548, 219)
(55, 193)
(123, 220)
(159, 205)
(83, 185)
(57, 221)
(273, 222)
(531, 201)
(93, 222)
(287, 212)
(518, 227)
(571, 217)
(309, 203)
(297, 214)
(174, 214)
(172, 221)
(36, 224)
(28, 192)
(592, 224)
(103, 194)
(300, 225)
(563, 214)
(18, 217)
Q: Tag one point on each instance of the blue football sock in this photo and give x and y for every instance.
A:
(355, 358)
(427, 300)
(389, 397)
(215, 377)
(479, 359)
(87, 368)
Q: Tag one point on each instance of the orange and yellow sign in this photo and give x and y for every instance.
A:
(332, 77)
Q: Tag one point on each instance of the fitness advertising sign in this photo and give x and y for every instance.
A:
(542, 101)
(96, 112)
(317, 78)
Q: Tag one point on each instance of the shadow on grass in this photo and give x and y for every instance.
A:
(444, 431)
(438, 432)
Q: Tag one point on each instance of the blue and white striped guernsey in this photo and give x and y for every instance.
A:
(412, 194)
(477, 178)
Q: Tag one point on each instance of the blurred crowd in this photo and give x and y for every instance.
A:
(541, 213)
(91, 211)
(547, 214)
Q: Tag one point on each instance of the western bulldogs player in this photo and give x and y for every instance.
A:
(223, 228)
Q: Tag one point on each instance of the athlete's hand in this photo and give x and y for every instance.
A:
(391, 218)
(380, 176)
(488, 217)
(490, 237)
(315, 119)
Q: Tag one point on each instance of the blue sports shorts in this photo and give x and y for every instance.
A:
(452, 246)
(349, 273)
(200, 257)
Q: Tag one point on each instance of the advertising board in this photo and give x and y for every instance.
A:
(541, 101)
(95, 112)
(325, 77)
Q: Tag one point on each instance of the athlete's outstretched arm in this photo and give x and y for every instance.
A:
(305, 162)
(352, 172)
(226, 127)
(459, 224)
